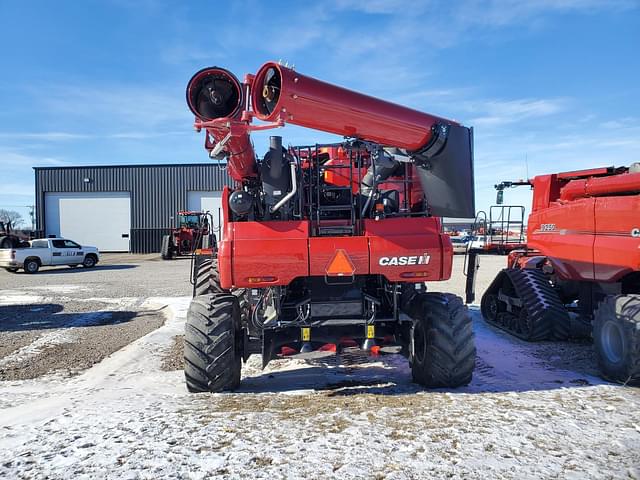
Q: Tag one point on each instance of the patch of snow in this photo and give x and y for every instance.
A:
(125, 418)
(62, 288)
(17, 297)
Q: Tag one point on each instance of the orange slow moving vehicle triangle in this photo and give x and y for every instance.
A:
(340, 265)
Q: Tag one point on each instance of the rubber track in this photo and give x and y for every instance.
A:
(547, 315)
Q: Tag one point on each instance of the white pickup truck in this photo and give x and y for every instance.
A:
(48, 251)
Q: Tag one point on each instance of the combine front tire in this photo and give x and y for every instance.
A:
(443, 350)
(212, 344)
(207, 278)
(616, 338)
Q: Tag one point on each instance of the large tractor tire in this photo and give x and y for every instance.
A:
(9, 242)
(207, 278)
(443, 351)
(616, 338)
(166, 251)
(213, 344)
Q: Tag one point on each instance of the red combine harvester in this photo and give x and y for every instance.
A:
(192, 233)
(328, 247)
(582, 257)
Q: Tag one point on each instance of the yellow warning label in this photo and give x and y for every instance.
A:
(306, 334)
(371, 331)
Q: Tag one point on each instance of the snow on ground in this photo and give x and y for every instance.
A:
(125, 418)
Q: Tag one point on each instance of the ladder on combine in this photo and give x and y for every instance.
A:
(332, 209)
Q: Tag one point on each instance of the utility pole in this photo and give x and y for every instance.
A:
(32, 214)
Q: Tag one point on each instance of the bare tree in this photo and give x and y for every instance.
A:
(11, 216)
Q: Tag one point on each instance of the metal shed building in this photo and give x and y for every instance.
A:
(124, 208)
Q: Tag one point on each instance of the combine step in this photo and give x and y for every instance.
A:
(525, 304)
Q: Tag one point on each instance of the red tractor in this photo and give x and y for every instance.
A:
(327, 247)
(192, 233)
(580, 270)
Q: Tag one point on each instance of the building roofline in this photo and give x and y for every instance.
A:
(166, 165)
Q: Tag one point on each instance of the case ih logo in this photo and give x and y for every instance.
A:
(635, 233)
(409, 260)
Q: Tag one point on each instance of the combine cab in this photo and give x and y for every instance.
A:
(328, 247)
(193, 232)
(580, 271)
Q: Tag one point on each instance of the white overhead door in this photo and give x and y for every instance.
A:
(100, 219)
(199, 201)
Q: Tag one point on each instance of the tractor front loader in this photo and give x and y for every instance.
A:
(327, 247)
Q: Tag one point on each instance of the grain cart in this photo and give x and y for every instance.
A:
(328, 245)
(582, 258)
(192, 233)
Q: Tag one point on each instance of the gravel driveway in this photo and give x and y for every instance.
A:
(64, 320)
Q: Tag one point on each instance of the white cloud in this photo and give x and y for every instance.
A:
(501, 112)
(115, 106)
(44, 136)
(378, 6)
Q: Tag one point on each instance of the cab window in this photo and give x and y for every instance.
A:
(64, 244)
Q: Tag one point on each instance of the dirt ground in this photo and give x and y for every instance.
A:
(64, 320)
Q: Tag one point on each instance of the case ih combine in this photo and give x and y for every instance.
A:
(582, 257)
(328, 245)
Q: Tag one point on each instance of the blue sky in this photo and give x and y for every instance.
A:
(102, 82)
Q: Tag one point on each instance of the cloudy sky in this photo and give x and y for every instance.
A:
(548, 85)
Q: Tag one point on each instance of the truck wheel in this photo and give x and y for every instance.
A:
(212, 344)
(616, 338)
(166, 251)
(31, 265)
(89, 261)
(443, 350)
(207, 278)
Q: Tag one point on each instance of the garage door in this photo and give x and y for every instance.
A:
(198, 201)
(100, 219)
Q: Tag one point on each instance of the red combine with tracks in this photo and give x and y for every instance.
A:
(580, 270)
(328, 245)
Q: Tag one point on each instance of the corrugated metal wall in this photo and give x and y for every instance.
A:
(157, 192)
